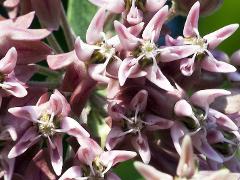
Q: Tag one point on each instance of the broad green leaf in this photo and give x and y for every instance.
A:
(80, 14)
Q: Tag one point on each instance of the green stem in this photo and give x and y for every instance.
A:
(47, 72)
(43, 84)
(54, 44)
(69, 35)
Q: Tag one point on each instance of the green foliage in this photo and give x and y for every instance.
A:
(80, 13)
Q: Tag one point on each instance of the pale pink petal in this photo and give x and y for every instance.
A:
(83, 50)
(29, 138)
(116, 156)
(11, 3)
(191, 24)
(173, 53)
(71, 173)
(136, 29)
(139, 101)
(213, 65)
(153, 28)
(216, 37)
(186, 165)
(8, 63)
(97, 72)
(73, 128)
(142, 147)
(155, 122)
(14, 88)
(154, 5)
(159, 79)
(111, 5)
(128, 41)
(134, 15)
(26, 112)
(183, 109)
(93, 35)
(150, 173)
(48, 12)
(60, 61)
(56, 154)
(204, 98)
(129, 68)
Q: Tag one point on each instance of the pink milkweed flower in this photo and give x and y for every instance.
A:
(235, 60)
(186, 169)
(95, 162)
(16, 33)
(9, 84)
(205, 45)
(134, 123)
(132, 10)
(207, 127)
(49, 119)
(145, 55)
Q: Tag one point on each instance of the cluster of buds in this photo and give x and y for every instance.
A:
(134, 93)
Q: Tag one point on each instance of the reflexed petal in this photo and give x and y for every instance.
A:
(56, 154)
(191, 23)
(215, 38)
(15, 88)
(71, 173)
(139, 100)
(115, 136)
(155, 122)
(141, 145)
(8, 63)
(60, 61)
(155, 25)
(95, 28)
(128, 41)
(213, 65)
(134, 15)
(97, 72)
(26, 112)
(150, 173)
(187, 66)
(186, 166)
(73, 128)
(183, 109)
(29, 138)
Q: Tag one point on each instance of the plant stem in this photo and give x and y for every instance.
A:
(47, 72)
(69, 35)
(54, 44)
(43, 84)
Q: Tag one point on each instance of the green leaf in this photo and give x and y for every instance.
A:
(80, 14)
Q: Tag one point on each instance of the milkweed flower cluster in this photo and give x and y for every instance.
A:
(117, 96)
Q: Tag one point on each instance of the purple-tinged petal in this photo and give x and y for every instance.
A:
(186, 166)
(140, 143)
(128, 41)
(139, 101)
(223, 120)
(191, 24)
(48, 12)
(83, 50)
(155, 122)
(71, 173)
(204, 98)
(235, 58)
(159, 79)
(177, 132)
(150, 173)
(116, 156)
(24, 72)
(115, 136)
(136, 29)
(60, 61)
(29, 138)
(26, 112)
(8, 63)
(93, 35)
(112, 176)
(73, 128)
(56, 154)
(187, 66)
(216, 37)
(215, 136)
(213, 65)
(154, 5)
(111, 5)
(153, 28)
